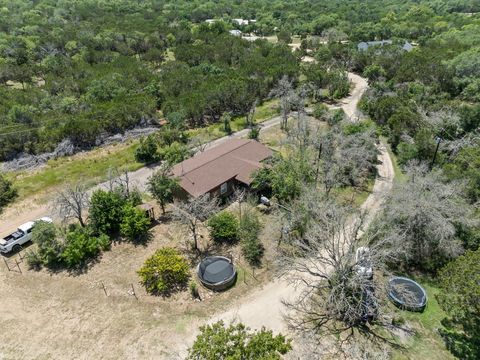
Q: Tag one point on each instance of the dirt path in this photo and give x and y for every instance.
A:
(264, 307)
(152, 331)
(28, 210)
(350, 103)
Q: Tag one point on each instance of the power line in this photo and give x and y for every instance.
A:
(19, 131)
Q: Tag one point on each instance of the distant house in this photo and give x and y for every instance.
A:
(407, 46)
(217, 171)
(240, 22)
(235, 32)
(211, 21)
(364, 45)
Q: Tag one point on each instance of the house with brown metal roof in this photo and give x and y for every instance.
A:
(220, 169)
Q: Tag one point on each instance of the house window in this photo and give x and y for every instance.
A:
(223, 188)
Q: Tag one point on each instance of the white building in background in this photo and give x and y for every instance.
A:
(243, 22)
(240, 22)
(235, 32)
(211, 21)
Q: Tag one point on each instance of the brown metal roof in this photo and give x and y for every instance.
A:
(234, 159)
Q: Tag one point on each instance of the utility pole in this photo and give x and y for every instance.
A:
(438, 139)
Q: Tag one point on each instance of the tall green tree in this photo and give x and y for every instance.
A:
(218, 341)
(162, 186)
(460, 284)
(7, 192)
(105, 211)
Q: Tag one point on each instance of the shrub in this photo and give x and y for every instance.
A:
(398, 321)
(225, 120)
(254, 133)
(336, 117)
(194, 290)
(80, 246)
(7, 192)
(321, 111)
(236, 341)
(106, 211)
(164, 272)
(284, 36)
(135, 224)
(350, 128)
(223, 227)
(174, 153)
(44, 235)
(249, 230)
(33, 260)
(147, 150)
(406, 152)
(459, 282)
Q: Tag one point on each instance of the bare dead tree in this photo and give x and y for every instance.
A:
(251, 114)
(198, 143)
(338, 292)
(72, 203)
(284, 91)
(194, 211)
(346, 159)
(429, 211)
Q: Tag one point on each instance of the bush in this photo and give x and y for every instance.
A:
(174, 153)
(284, 36)
(336, 117)
(406, 152)
(321, 111)
(135, 224)
(194, 290)
(350, 128)
(223, 227)
(80, 246)
(147, 150)
(7, 192)
(164, 272)
(398, 321)
(236, 341)
(44, 235)
(33, 260)
(459, 282)
(225, 120)
(106, 211)
(254, 133)
(249, 231)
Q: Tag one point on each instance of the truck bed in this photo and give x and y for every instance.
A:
(13, 236)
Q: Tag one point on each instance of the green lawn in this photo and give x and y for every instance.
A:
(426, 343)
(90, 170)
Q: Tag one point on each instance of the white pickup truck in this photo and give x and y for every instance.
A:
(22, 235)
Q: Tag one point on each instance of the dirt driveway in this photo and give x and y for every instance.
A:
(60, 316)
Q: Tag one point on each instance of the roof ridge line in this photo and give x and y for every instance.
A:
(214, 159)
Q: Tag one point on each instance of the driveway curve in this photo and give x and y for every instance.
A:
(264, 307)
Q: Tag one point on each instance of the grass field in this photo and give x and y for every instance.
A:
(89, 168)
(426, 343)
